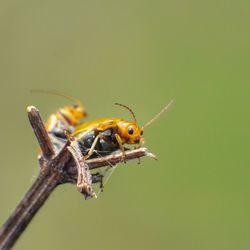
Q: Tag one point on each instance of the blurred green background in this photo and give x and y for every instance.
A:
(140, 53)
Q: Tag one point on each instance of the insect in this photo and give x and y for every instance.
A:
(104, 136)
(64, 120)
(93, 139)
(109, 134)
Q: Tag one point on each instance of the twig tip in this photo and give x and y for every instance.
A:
(31, 108)
(151, 155)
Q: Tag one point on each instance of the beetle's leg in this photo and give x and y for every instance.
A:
(141, 143)
(90, 152)
(139, 159)
(98, 178)
(119, 140)
(69, 136)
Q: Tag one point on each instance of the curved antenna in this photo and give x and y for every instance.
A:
(129, 109)
(159, 114)
(55, 93)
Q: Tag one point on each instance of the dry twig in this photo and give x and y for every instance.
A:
(55, 169)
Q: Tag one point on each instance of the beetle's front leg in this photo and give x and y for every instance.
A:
(91, 150)
(119, 141)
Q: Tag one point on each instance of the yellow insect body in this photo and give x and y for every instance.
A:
(66, 119)
(129, 132)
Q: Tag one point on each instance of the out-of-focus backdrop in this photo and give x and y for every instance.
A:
(143, 54)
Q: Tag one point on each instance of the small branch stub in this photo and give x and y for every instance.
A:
(40, 132)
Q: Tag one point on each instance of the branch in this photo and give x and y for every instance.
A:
(55, 169)
(40, 132)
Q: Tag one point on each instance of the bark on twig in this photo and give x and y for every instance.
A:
(55, 169)
(40, 132)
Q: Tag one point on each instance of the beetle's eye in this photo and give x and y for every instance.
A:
(142, 132)
(130, 130)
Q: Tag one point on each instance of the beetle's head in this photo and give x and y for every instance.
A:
(77, 111)
(130, 132)
(74, 112)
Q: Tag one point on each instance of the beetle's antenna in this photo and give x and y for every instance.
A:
(159, 114)
(129, 109)
(56, 93)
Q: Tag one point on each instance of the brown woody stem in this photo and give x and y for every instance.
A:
(54, 170)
